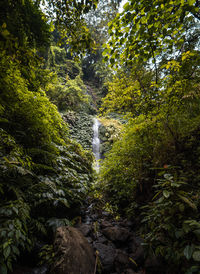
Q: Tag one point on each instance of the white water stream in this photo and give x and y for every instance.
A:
(96, 144)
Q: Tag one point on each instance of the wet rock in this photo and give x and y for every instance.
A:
(138, 256)
(102, 239)
(105, 213)
(107, 255)
(89, 239)
(85, 229)
(75, 254)
(116, 234)
(127, 223)
(134, 243)
(121, 261)
(136, 249)
(94, 217)
(105, 224)
(122, 257)
(87, 220)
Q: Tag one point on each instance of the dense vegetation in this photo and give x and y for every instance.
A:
(44, 175)
(152, 171)
(141, 67)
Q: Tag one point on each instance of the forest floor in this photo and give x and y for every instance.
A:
(119, 250)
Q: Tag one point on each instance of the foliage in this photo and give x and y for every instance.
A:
(69, 96)
(129, 92)
(68, 18)
(80, 127)
(32, 193)
(109, 132)
(94, 69)
(47, 254)
(58, 61)
(66, 89)
(28, 115)
(30, 25)
(131, 172)
(149, 29)
(44, 176)
(171, 227)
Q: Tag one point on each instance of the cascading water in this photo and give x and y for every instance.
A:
(96, 143)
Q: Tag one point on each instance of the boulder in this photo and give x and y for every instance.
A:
(136, 250)
(85, 229)
(116, 234)
(105, 224)
(75, 254)
(107, 256)
(101, 238)
(121, 261)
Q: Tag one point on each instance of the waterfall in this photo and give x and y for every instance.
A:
(96, 144)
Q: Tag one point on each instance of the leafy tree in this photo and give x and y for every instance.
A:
(94, 69)
(146, 29)
(68, 19)
(157, 84)
(43, 173)
(66, 88)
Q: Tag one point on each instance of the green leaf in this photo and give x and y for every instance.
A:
(197, 232)
(181, 207)
(188, 251)
(196, 256)
(187, 201)
(6, 252)
(112, 61)
(3, 269)
(166, 193)
(191, 2)
(5, 33)
(126, 6)
(15, 250)
(179, 234)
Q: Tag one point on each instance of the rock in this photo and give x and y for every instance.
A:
(138, 255)
(121, 261)
(127, 223)
(152, 263)
(136, 249)
(122, 257)
(101, 239)
(94, 217)
(105, 224)
(116, 234)
(89, 239)
(107, 256)
(105, 213)
(134, 243)
(76, 256)
(87, 220)
(85, 229)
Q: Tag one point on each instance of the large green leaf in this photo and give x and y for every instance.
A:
(188, 250)
(166, 193)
